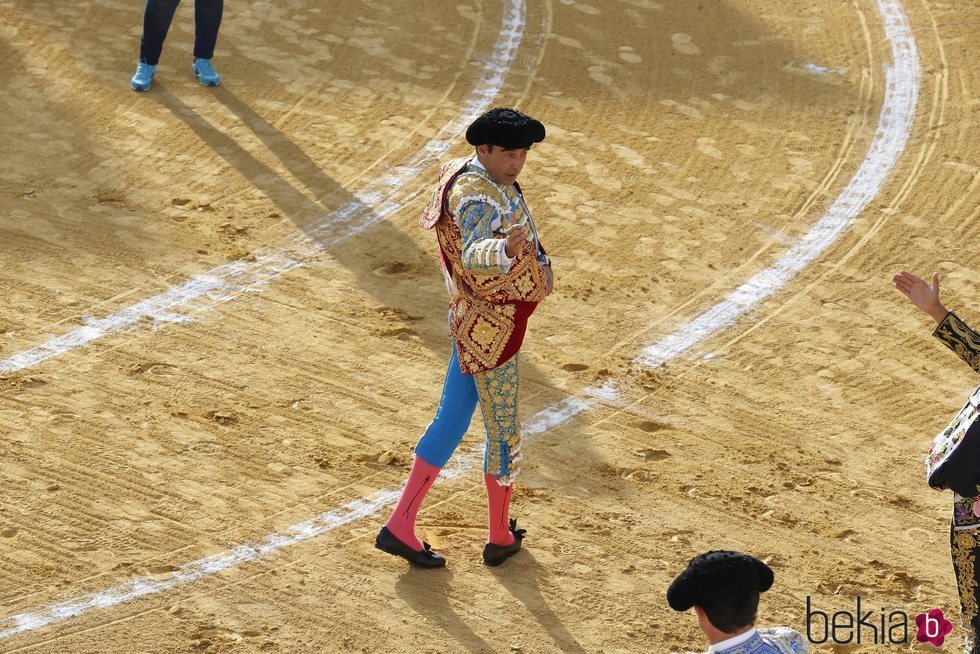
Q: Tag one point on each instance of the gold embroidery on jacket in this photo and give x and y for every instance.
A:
(481, 309)
(483, 333)
(957, 336)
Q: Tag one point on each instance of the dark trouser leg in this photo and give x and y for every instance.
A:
(157, 16)
(964, 546)
(207, 20)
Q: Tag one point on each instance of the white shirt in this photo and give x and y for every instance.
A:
(729, 643)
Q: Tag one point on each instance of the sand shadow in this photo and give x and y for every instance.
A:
(392, 268)
(386, 262)
(329, 192)
(521, 577)
(289, 199)
(427, 592)
(379, 255)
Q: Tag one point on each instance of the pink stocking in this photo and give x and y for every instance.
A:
(402, 521)
(498, 502)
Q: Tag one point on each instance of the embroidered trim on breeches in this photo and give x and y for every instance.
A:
(497, 392)
(499, 389)
(964, 545)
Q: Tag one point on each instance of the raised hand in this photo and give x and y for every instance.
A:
(921, 294)
(515, 236)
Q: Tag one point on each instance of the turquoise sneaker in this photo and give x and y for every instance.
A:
(143, 79)
(205, 72)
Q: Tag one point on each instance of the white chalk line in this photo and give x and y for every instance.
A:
(317, 526)
(891, 137)
(372, 204)
(224, 283)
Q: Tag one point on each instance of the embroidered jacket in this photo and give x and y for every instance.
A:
(491, 295)
(958, 337)
(772, 640)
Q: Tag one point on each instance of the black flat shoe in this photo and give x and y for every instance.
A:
(494, 555)
(424, 558)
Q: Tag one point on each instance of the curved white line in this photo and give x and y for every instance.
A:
(891, 137)
(372, 204)
(894, 129)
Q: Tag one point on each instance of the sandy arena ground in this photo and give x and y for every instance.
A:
(691, 144)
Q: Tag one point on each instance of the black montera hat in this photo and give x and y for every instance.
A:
(508, 128)
(718, 573)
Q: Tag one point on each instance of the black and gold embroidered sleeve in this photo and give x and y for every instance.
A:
(958, 337)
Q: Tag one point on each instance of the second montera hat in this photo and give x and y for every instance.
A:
(715, 574)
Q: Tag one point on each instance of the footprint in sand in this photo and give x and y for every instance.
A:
(401, 333)
(706, 145)
(162, 570)
(651, 426)
(601, 176)
(654, 455)
(682, 43)
(206, 448)
(568, 41)
(690, 112)
(598, 73)
(867, 493)
(390, 269)
(63, 416)
(222, 416)
(920, 535)
(911, 584)
(213, 639)
(154, 368)
(626, 54)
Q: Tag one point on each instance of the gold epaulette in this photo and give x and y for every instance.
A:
(472, 186)
(434, 207)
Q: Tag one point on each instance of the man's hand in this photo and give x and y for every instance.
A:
(921, 294)
(549, 284)
(515, 236)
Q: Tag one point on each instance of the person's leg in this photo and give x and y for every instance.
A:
(964, 545)
(434, 449)
(499, 390)
(453, 417)
(402, 521)
(498, 509)
(207, 21)
(157, 16)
